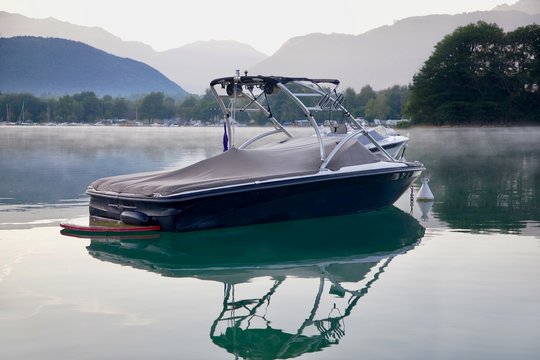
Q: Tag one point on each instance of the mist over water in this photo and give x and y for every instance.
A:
(456, 278)
(484, 178)
(48, 164)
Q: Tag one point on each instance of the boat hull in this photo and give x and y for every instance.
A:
(260, 202)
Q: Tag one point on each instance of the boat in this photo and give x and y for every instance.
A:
(273, 176)
(390, 140)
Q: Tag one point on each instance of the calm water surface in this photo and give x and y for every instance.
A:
(453, 279)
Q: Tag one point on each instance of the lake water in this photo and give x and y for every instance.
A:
(456, 279)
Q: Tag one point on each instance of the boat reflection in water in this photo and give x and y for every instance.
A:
(347, 254)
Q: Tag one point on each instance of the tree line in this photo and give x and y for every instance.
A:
(84, 107)
(479, 75)
(87, 107)
(476, 75)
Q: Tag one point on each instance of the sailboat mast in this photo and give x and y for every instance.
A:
(21, 115)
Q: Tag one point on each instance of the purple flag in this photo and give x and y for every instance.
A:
(225, 138)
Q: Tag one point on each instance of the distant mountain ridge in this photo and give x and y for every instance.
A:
(54, 66)
(196, 64)
(381, 57)
(192, 66)
(527, 6)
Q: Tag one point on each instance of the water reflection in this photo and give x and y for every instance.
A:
(244, 329)
(345, 255)
(51, 164)
(483, 179)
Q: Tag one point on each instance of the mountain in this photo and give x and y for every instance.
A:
(381, 57)
(203, 61)
(192, 66)
(527, 6)
(58, 66)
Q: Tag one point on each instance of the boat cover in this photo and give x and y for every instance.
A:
(295, 157)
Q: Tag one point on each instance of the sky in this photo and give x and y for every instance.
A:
(265, 25)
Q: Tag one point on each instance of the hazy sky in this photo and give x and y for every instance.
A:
(266, 25)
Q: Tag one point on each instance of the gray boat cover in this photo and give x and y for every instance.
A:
(296, 157)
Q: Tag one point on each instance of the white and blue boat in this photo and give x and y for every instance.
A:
(263, 179)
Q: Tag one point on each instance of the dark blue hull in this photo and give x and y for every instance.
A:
(291, 199)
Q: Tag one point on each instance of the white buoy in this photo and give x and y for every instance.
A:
(425, 208)
(425, 194)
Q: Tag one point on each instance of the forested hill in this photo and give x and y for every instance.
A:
(50, 66)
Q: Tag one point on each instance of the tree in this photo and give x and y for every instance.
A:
(523, 71)
(119, 108)
(87, 106)
(187, 110)
(206, 107)
(152, 106)
(364, 96)
(378, 108)
(351, 101)
(65, 109)
(477, 74)
(387, 104)
(397, 98)
(13, 105)
(107, 103)
(169, 108)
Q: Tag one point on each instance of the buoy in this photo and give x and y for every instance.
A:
(425, 194)
(425, 208)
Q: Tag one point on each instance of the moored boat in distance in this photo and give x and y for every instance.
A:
(273, 176)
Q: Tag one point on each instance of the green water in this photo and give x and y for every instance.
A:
(455, 279)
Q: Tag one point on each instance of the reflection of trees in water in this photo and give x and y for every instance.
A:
(482, 179)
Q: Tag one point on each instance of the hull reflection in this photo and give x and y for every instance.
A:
(345, 256)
